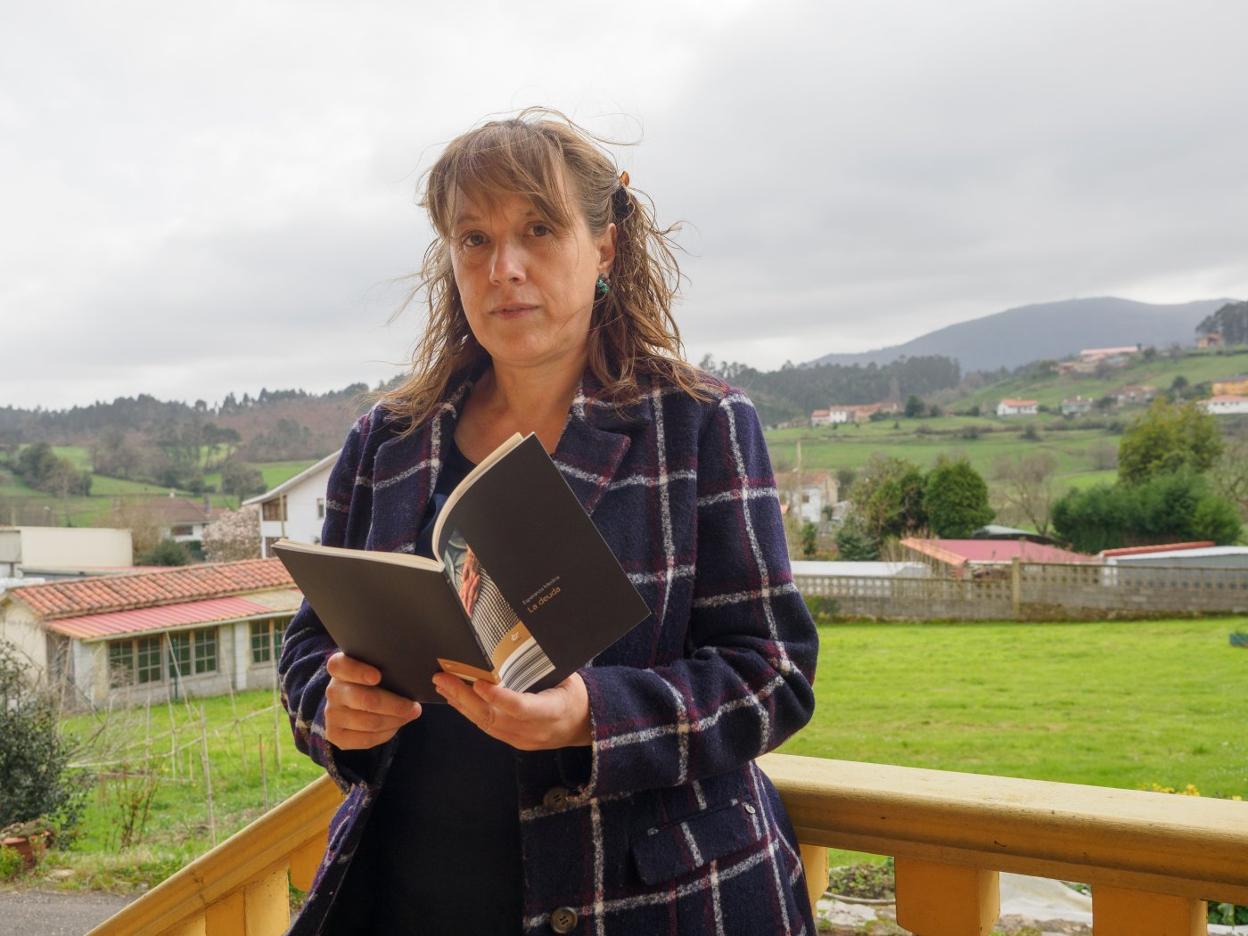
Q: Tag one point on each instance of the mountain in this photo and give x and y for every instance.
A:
(1047, 330)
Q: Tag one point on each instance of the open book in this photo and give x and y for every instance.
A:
(523, 591)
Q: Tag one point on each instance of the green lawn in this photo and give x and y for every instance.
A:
(1121, 704)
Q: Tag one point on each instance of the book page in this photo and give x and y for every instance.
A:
(518, 659)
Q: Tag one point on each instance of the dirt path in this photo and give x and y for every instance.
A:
(55, 913)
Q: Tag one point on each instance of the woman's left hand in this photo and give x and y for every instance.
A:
(529, 721)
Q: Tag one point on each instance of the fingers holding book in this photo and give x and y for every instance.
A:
(358, 713)
(529, 721)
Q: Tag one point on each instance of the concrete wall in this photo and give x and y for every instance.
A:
(77, 548)
(1038, 591)
(19, 629)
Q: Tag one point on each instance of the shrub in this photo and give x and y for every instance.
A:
(167, 552)
(34, 775)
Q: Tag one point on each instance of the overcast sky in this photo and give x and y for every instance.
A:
(204, 198)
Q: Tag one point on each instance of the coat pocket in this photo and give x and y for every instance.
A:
(669, 851)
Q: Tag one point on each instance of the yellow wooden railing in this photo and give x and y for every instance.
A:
(1152, 859)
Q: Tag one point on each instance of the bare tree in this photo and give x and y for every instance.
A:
(1229, 473)
(1025, 487)
(236, 535)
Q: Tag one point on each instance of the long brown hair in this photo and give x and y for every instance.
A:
(562, 169)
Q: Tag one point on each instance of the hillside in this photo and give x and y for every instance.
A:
(1048, 388)
(1047, 330)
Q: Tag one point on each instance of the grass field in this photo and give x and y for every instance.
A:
(177, 826)
(1122, 704)
(97, 509)
(1074, 450)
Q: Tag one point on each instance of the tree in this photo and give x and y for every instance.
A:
(854, 544)
(810, 540)
(240, 479)
(1178, 505)
(1231, 321)
(1167, 438)
(1229, 474)
(1026, 487)
(34, 757)
(914, 407)
(234, 535)
(955, 498)
(888, 497)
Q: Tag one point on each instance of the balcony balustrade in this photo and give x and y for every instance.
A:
(1152, 859)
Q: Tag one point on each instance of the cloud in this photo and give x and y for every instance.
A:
(201, 200)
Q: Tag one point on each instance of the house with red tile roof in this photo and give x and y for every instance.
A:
(201, 629)
(1012, 407)
(960, 556)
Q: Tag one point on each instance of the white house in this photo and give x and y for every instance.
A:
(1009, 407)
(1076, 406)
(202, 629)
(295, 509)
(806, 495)
(1225, 405)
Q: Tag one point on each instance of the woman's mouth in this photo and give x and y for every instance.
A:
(513, 310)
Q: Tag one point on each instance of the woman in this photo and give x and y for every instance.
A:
(626, 799)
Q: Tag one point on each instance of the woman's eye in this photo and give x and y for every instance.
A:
(472, 239)
(540, 230)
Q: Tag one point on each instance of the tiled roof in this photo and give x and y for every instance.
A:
(177, 510)
(101, 594)
(1160, 547)
(164, 617)
(961, 551)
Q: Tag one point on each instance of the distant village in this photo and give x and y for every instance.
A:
(1230, 396)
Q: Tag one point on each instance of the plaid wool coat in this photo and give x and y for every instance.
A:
(664, 824)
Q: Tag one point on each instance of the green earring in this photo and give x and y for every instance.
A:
(602, 286)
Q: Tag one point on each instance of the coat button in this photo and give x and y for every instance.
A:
(555, 798)
(563, 920)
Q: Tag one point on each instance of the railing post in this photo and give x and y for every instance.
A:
(227, 916)
(1117, 911)
(946, 900)
(815, 866)
(267, 902)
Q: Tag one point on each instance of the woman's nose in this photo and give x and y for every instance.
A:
(508, 264)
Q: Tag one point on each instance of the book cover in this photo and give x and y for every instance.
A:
(523, 590)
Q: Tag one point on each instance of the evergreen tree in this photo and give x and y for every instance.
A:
(956, 499)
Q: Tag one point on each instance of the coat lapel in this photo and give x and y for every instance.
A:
(595, 440)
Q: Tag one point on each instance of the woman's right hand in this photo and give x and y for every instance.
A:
(358, 714)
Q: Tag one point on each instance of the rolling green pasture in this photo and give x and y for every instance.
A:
(851, 446)
(1118, 704)
(97, 509)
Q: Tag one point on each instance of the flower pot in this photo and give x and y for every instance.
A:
(28, 846)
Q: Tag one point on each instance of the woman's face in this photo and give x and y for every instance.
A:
(527, 287)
